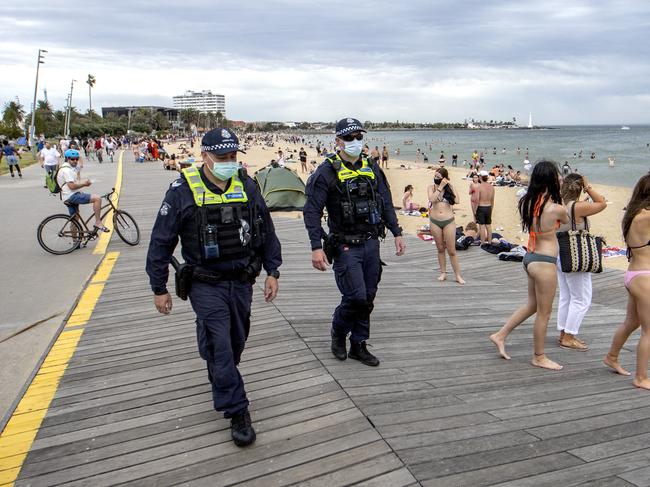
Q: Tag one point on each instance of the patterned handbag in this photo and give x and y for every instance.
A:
(580, 251)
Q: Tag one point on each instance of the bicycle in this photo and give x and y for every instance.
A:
(61, 234)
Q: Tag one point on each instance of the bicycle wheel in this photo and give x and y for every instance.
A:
(58, 234)
(126, 227)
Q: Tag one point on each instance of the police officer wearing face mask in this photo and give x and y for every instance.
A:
(359, 207)
(227, 236)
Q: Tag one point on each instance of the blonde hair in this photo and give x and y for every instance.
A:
(572, 186)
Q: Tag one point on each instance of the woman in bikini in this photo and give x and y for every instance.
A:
(636, 232)
(541, 213)
(408, 204)
(441, 222)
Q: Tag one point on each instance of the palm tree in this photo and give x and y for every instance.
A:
(91, 83)
(13, 114)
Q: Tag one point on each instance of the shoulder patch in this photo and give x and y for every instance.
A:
(164, 209)
(176, 183)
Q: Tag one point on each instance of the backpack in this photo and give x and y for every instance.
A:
(52, 182)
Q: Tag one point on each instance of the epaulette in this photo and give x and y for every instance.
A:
(177, 182)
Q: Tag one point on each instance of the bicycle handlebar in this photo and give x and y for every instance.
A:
(107, 195)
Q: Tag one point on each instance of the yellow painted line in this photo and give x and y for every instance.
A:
(21, 429)
(105, 238)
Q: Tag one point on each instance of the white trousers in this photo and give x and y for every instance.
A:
(575, 299)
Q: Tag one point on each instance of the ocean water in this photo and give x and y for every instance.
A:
(629, 148)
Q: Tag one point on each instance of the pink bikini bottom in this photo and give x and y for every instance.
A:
(629, 275)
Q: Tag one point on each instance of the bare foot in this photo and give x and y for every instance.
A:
(641, 384)
(545, 363)
(443, 276)
(459, 279)
(614, 364)
(501, 346)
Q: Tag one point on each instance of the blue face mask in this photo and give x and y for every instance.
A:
(353, 148)
(224, 170)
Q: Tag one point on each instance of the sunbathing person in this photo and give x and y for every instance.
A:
(408, 204)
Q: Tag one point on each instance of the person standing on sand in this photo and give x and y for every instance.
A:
(442, 197)
(473, 193)
(484, 208)
(375, 156)
(384, 157)
(541, 213)
(302, 155)
(636, 233)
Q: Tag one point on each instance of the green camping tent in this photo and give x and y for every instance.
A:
(282, 188)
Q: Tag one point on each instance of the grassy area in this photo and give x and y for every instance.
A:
(27, 160)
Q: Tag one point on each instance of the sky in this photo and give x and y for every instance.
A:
(567, 62)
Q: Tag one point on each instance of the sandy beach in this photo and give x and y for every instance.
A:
(505, 218)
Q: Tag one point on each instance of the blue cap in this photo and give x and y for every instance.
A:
(71, 154)
(220, 141)
(347, 126)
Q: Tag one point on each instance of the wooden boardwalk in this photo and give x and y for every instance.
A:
(134, 406)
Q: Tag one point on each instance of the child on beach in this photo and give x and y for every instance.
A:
(541, 213)
(636, 232)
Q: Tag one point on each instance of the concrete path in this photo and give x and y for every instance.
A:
(37, 288)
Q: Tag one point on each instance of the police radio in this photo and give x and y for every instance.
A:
(210, 246)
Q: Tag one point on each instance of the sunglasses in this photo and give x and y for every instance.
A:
(73, 158)
(351, 137)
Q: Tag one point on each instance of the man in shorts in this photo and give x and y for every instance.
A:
(484, 208)
(302, 155)
(70, 189)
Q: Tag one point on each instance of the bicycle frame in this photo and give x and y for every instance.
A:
(109, 206)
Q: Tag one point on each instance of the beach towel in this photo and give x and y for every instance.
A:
(609, 252)
(515, 255)
(497, 247)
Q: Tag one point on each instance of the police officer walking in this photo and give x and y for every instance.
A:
(359, 207)
(227, 236)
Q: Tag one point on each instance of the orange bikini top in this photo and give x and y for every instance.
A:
(532, 235)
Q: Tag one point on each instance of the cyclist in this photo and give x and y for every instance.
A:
(110, 148)
(70, 189)
(98, 149)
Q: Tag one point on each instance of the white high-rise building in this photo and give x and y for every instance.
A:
(203, 101)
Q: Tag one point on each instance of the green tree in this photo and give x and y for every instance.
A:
(13, 116)
(160, 122)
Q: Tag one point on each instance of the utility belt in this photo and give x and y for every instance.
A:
(332, 241)
(186, 273)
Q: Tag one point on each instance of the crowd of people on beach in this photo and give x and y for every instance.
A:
(555, 199)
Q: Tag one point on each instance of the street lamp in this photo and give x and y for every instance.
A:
(40, 61)
(67, 127)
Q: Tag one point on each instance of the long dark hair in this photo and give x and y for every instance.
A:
(545, 178)
(640, 200)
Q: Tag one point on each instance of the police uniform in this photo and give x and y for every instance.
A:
(359, 208)
(226, 238)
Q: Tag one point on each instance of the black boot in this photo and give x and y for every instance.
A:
(359, 351)
(241, 429)
(338, 346)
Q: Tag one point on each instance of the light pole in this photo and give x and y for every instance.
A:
(91, 83)
(31, 123)
(67, 128)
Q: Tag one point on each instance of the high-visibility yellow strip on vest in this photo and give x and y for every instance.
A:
(365, 170)
(203, 196)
